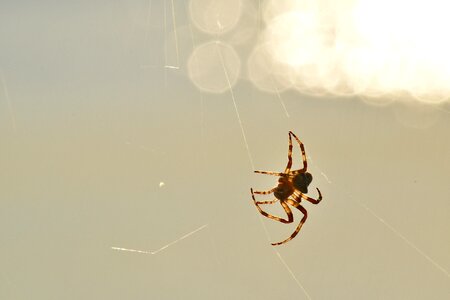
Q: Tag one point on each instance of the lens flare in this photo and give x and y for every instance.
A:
(214, 67)
(359, 47)
(215, 16)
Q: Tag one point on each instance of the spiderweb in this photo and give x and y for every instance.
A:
(130, 132)
(226, 84)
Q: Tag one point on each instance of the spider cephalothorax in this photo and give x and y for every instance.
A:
(301, 181)
(291, 189)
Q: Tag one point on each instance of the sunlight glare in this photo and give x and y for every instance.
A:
(362, 47)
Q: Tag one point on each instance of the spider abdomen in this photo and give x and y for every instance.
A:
(301, 181)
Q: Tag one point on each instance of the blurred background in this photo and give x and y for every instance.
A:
(129, 132)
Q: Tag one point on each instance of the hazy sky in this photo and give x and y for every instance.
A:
(97, 110)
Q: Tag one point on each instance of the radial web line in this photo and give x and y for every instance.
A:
(320, 170)
(165, 44)
(251, 162)
(293, 276)
(202, 105)
(443, 109)
(176, 35)
(149, 15)
(408, 242)
(8, 101)
(282, 260)
(282, 102)
(389, 226)
(235, 106)
(259, 21)
(147, 34)
(163, 247)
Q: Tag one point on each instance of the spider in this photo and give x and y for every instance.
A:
(292, 187)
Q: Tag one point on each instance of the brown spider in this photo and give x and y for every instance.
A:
(292, 187)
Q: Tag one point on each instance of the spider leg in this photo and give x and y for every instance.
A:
(267, 202)
(265, 192)
(269, 173)
(267, 215)
(302, 148)
(312, 200)
(305, 215)
(289, 164)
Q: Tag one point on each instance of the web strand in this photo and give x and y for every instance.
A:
(176, 35)
(282, 102)
(291, 273)
(282, 260)
(235, 106)
(388, 225)
(165, 44)
(202, 104)
(401, 236)
(8, 101)
(149, 15)
(163, 247)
